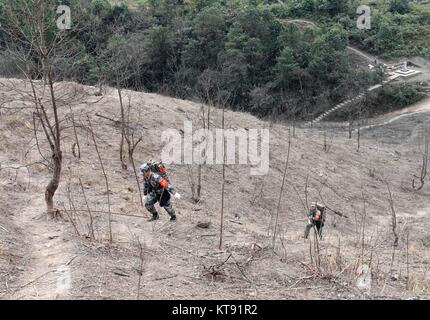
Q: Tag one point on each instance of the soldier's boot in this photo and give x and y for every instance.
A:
(151, 208)
(154, 217)
(171, 212)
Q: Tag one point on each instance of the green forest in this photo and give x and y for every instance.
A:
(248, 52)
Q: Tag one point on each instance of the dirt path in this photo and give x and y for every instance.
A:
(365, 55)
(419, 107)
(47, 273)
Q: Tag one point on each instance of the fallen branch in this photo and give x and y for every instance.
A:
(70, 261)
(165, 278)
(34, 280)
(241, 271)
(121, 274)
(237, 222)
(214, 269)
(207, 235)
(117, 122)
(307, 288)
(307, 266)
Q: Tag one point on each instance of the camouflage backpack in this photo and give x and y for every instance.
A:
(160, 168)
(321, 208)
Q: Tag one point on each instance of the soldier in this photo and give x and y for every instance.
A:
(157, 189)
(316, 218)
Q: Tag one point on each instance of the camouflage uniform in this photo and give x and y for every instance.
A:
(316, 219)
(158, 189)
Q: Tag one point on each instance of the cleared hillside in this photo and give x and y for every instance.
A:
(181, 260)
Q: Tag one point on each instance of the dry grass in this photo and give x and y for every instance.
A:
(182, 260)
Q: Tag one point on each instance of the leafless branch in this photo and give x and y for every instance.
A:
(281, 189)
(104, 175)
(90, 226)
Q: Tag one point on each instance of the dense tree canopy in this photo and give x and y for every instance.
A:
(247, 49)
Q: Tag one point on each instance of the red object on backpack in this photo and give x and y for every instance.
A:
(162, 168)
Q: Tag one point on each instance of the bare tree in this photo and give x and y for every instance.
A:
(125, 62)
(350, 125)
(223, 100)
(76, 144)
(363, 226)
(123, 128)
(128, 134)
(393, 217)
(358, 139)
(91, 224)
(282, 188)
(424, 166)
(327, 145)
(32, 38)
(223, 179)
(141, 267)
(104, 175)
(408, 279)
(208, 93)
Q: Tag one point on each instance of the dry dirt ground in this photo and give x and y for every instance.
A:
(43, 257)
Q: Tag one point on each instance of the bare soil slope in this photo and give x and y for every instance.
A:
(45, 258)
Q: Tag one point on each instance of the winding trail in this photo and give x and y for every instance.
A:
(47, 272)
(365, 55)
(419, 107)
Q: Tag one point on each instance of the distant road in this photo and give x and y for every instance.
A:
(365, 55)
(420, 106)
(416, 108)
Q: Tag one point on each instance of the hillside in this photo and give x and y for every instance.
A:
(42, 257)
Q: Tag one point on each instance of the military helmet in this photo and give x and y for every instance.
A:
(144, 167)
